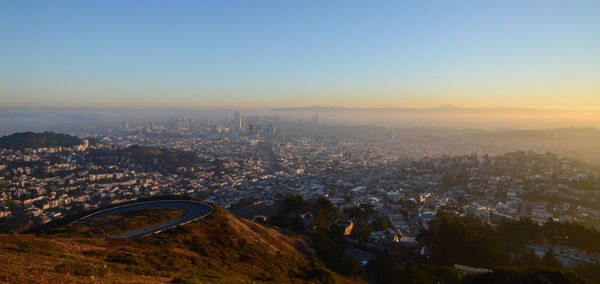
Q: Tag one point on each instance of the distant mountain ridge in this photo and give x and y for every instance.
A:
(23, 140)
(447, 107)
(331, 108)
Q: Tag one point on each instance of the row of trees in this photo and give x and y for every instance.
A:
(385, 268)
(470, 241)
(319, 220)
(516, 234)
(366, 221)
(303, 216)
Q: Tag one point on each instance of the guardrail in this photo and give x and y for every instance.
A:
(211, 209)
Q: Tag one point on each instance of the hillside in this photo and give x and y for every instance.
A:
(150, 158)
(219, 248)
(20, 141)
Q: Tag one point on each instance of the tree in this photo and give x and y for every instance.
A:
(412, 274)
(523, 275)
(293, 204)
(591, 271)
(467, 240)
(289, 214)
(366, 220)
(443, 274)
(384, 268)
(517, 234)
(380, 223)
(330, 245)
(528, 258)
(324, 214)
(549, 260)
(353, 268)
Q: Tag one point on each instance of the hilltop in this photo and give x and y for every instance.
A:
(23, 140)
(150, 158)
(219, 248)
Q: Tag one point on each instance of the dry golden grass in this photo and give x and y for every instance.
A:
(100, 227)
(220, 248)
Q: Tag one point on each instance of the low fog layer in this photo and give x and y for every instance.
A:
(450, 117)
(453, 117)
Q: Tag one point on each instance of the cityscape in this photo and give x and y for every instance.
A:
(300, 142)
(250, 164)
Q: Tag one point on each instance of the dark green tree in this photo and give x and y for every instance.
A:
(549, 260)
(324, 214)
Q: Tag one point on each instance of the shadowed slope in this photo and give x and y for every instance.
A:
(219, 248)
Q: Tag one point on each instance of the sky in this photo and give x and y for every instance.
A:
(268, 54)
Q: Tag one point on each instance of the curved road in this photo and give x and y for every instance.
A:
(193, 210)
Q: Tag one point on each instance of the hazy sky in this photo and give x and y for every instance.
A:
(262, 54)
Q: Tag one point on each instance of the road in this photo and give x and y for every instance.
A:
(193, 210)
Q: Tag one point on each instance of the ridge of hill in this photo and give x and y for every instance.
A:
(219, 248)
(23, 140)
(150, 158)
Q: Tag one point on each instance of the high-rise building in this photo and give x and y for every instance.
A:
(125, 126)
(315, 120)
(237, 120)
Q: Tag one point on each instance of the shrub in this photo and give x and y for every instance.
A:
(81, 269)
(180, 280)
(323, 275)
(39, 247)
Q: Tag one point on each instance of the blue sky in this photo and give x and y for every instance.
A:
(260, 54)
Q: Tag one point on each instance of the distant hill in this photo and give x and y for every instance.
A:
(23, 140)
(151, 158)
(310, 108)
(326, 108)
(450, 106)
(220, 248)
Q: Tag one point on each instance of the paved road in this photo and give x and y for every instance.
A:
(193, 210)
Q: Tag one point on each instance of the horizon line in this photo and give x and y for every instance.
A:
(445, 107)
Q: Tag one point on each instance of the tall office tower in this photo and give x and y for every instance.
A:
(125, 126)
(237, 120)
(315, 120)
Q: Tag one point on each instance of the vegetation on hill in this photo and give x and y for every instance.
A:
(149, 158)
(386, 269)
(23, 140)
(470, 241)
(100, 227)
(523, 276)
(223, 248)
(326, 233)
(62, 222)
(219, 248)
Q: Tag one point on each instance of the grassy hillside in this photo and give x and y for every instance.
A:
(219, 248)
(100, 227)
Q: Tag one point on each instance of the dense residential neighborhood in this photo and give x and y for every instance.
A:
(256, 162)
